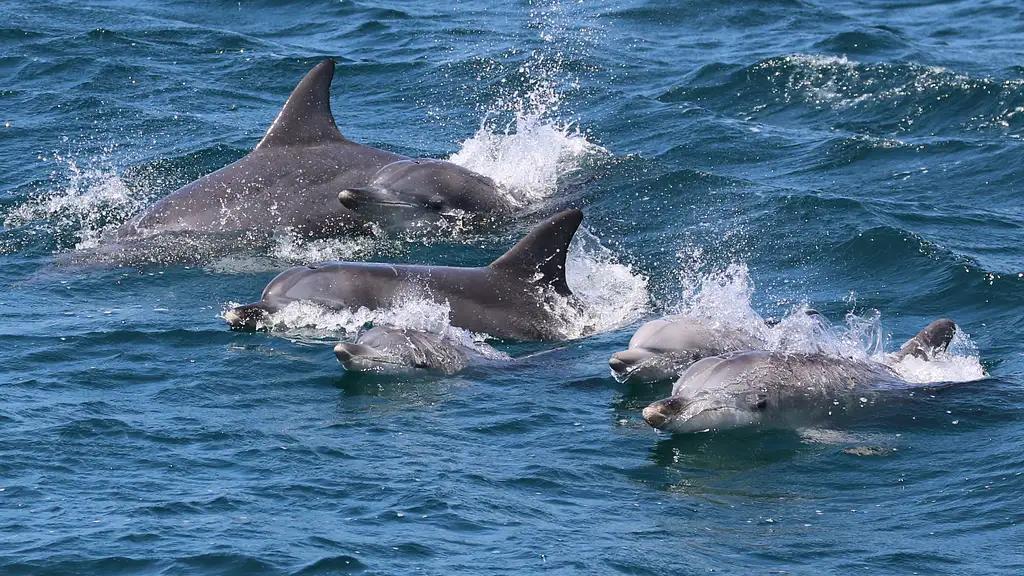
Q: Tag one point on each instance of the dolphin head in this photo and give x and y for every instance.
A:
(700, 412)
(296, 283)
(662, 349)
(425, 185)
(645, 365)
(361, 358)
(382, 349)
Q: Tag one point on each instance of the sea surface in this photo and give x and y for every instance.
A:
(739, 160)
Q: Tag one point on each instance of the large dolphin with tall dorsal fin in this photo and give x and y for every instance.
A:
(290, 181)
(519, 295)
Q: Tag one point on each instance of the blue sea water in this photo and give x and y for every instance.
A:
(736, 160)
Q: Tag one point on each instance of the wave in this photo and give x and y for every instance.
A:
(866, 97)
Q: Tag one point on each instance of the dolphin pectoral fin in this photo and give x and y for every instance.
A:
(543, 251)
(246, 317)
(935, 338)
(306, 116)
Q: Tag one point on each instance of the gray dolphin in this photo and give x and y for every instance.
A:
(391, 350)
(661, 349)
(291, 180)
(781, 390)
(517, 296)
(419, 187)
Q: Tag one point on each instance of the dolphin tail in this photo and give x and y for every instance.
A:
(541, 253)
(306, 117)
(930, 341)
(246, 317)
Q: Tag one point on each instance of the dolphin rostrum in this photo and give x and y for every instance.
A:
(782, 390)
(522, 295)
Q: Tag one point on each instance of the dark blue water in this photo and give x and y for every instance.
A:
(731, 158)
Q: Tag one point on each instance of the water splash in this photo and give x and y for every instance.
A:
(87, 204)
(612, 294)
(297, 250)
(528, 154)
(304, 321)
(521, 142)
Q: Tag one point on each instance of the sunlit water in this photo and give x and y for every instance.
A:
(742, 162)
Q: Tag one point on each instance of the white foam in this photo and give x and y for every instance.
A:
(297, 250)
(305, 321)
(612, 294)
(527, 154)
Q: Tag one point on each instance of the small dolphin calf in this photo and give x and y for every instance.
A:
(392, 350)
(781, 390)
(519, 295)
(662, 349)
(408, 189)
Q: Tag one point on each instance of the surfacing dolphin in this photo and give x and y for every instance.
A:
(399, 350)
(517, 296)
(780, 390)
(292, 179)
(662, 349)
(422, 187)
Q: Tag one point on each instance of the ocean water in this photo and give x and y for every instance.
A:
(740, 160)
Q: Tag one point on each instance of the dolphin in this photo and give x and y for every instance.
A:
(420, 187)
(782, 390)
(293, 178)
(397, 350)
(289, 181)
(662, 349)
(521, 295)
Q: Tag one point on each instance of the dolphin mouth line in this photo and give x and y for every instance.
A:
(391, 203)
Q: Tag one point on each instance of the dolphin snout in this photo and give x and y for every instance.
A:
(246, 317)
(350, 355)
(349, 198)
(624, 360)
(655, 416)
(617, 364)
(658, 413)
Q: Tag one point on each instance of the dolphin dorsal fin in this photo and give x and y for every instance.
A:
(934, 338)
(540, 255)
(306, 117)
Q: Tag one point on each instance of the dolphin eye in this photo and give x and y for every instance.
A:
(761, 404)
(434, 204)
